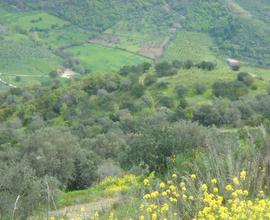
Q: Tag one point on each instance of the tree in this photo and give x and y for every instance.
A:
(206, 65)
(177, 64)
(232, 90)
(207, 115)
(124, 71)
(51, 152)
(166, 101)
(181, 90)
(146, 66)
(137, 90)
(165, 69)
(183, 103)
(53, 74)
(149, 80)
(199, 88)
(19, 182)
(188, 64)
(18, 79)
(84, 174)
(246, 78)
(154, 144)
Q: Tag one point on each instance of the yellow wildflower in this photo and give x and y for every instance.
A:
(184, 189)
(146, 182)
(172, 188)
(147, 196)
(214, 181)
(235, 181)
(164, 193)
(229, 188)
(149, 210)
(154, 194)
(162, 185)
(215, 190)
(245, 192)
(243, 175)
(174, 176)
(193, 176)
(164, 208)
(154, 216)
(182, 184)
(204, 187)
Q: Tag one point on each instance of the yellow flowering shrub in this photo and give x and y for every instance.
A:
(191, 199)
(119, 184)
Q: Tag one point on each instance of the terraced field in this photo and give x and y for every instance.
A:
(192, 46)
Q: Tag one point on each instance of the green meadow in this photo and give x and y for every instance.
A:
(101, 59)
(32, 20)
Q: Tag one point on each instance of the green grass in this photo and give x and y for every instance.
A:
(31, 20)
(102, 59)
(65, 36)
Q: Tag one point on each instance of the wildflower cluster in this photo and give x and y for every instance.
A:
(193, 199)
(114, 184)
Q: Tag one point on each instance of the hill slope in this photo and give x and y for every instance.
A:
(68, 33)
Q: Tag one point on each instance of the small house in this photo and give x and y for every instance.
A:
(234, 64)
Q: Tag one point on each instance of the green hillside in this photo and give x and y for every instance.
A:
(181, 30)
(134, 109)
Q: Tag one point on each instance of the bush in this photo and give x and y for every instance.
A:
(188, 64)
(246, 78)
(232, 90)
(199, 88)
(165, 101)
(207, 115)
(183, 103)
(162, 85)
(206, 65)
(149, 80)
(140, 68)
(177, 64)
(153, 146)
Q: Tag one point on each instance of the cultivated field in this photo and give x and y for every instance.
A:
(101, 59)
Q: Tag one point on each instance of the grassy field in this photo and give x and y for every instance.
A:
(102, 59)
(32, 20)
(65, 36)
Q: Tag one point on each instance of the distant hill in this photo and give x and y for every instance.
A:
(236, 28)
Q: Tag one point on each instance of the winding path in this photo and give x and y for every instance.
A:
(86, 210)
